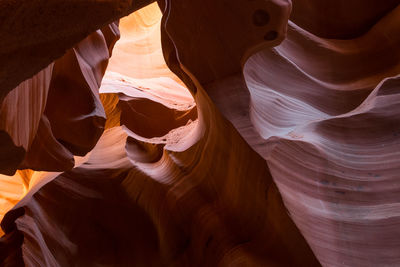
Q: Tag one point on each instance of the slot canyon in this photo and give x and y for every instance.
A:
(200, 133)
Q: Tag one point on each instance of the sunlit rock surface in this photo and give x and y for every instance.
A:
(268, 144)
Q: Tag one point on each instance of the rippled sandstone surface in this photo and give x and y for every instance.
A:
(209, 133)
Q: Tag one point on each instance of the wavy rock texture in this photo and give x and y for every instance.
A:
(38, 113)
(322, 114)
(333, 137)
(150, 193)
(147, 174)
(33, 138)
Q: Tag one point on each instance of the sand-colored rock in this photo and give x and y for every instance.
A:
(264, 142)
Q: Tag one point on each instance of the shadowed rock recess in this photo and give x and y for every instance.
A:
(200, 133)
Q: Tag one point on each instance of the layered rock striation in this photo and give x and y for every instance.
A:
(213, 133)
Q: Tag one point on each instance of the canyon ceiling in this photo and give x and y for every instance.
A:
(200, 133)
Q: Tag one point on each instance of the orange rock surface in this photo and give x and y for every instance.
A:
(200, 133)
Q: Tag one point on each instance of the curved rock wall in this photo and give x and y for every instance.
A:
(267, 145)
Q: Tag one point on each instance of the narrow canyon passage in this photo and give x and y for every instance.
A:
(209, 133)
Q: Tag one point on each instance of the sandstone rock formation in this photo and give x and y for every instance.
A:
(212, 133)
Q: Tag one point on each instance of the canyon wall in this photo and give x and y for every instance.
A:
(209, 133)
